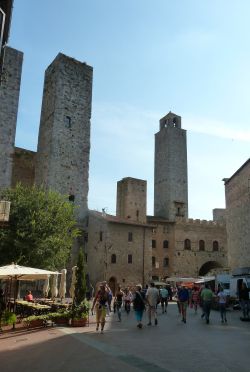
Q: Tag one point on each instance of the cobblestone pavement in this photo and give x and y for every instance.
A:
(170, 346)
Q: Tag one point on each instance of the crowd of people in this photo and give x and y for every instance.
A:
(151, 300)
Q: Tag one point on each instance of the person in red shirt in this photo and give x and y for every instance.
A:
(29, 296)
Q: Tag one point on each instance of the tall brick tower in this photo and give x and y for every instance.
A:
(170, 178)
(64, 134)
(131, 199)
(9, 98)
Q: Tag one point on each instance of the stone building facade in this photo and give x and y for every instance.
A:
(237, 190)
(118, 250)
(9, 98)
(62, 160)
(23, 167)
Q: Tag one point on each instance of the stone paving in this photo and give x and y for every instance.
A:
(171, 346)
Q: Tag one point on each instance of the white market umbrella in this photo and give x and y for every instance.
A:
(18, 272)
(73, 283)
(54, 289)
(46, 287)
(62, 289)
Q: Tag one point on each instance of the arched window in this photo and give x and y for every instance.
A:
(201, 245)
(165, 244)
(215, 246)
(153, 261)
(165, 262)
(113, 258)
(187, 244)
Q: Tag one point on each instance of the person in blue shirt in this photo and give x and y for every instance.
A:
(183, 297)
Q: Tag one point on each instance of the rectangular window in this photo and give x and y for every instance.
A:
(100, 236)
(153, 243)
(130, 236)
(130, 258)
(68, 122)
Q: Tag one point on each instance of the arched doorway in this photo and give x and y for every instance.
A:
(208, 266)
(113, 284)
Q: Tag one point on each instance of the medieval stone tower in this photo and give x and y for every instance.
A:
(170, 178)
(131, 199)
(9, 97)
(62, 161)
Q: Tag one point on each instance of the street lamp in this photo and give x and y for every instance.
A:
(4, 211)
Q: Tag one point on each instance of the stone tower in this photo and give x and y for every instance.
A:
(170, 177)
(9, 98)
(62, 162)
(131, 199)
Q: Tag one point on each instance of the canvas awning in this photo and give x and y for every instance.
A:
(17, 272)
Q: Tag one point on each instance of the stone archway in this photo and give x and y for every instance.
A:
(208, 266)
(113, 284)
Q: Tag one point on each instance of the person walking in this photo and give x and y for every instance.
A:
(100, 304)
(207, 297)
(164, 299)
(222, 299)
(152, 298)
(244, 300)
(195, 299)
(139, 304)
(183, 297)
(128, 297)
(118, 303)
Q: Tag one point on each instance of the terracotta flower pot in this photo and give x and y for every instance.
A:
(61, 320)
(78, 322)
(36, 323)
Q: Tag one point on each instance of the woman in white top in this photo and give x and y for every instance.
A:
(222, 299)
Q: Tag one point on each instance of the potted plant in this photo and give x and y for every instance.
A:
(79, 314)
(80, 308)
(34, 321)
(8, 318)
(60, 317)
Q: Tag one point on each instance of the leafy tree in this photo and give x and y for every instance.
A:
(80, 286)
(41, 228)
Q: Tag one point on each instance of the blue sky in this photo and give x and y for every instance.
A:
(149, 57)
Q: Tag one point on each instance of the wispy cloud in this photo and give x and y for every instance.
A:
(218, 128)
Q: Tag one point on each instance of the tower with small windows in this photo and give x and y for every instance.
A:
(170, 172)
(62, 162)
(131, 199)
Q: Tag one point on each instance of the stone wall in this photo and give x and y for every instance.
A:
(170, 177)
(64, 134)
(108, 236)
(237, 190)
(132, 199)
(9, 97)
(193, 261)
(23, 167)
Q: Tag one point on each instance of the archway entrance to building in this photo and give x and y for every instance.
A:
(208, 266)
(113, 284)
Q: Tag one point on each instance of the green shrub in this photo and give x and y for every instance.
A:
(8, 317)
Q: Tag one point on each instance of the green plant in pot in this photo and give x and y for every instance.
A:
(80, 307)
(60, 317)
(8, 318)
(36, 320)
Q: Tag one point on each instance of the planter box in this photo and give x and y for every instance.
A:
(60, 321)
(36, 323)
(78, 322)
